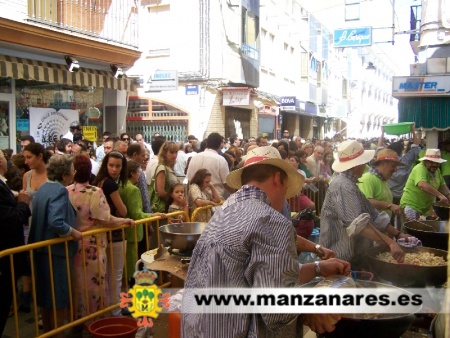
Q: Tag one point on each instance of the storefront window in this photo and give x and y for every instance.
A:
(46, 111)
(4, 123)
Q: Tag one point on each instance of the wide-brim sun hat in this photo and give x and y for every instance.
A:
(387, 155)
(350, 154)
(268, 155)
(433, 155)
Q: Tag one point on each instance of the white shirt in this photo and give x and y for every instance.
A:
(314, 166)
(100, 153)
(95, 167)
(68, 135)
(150, 170)
(215, 164)
(180, 163)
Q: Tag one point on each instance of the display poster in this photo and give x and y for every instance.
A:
(90, 133)
(47, 125)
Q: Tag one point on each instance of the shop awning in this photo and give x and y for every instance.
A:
(27, 69)
(426, 112)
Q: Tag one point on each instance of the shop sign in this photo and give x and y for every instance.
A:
(420, 85)
(267, 109)
(192, 90)
(238, 96)
(162, 80)
(287, 103)
(352, 37)
(90, 133)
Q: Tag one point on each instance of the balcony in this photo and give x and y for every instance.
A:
(110, 20)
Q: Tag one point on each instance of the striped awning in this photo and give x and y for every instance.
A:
(26, 69)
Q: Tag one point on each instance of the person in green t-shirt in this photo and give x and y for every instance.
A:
(445, 166)
(374, 185)
(424, 185)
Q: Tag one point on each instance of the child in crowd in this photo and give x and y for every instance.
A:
(177, 202)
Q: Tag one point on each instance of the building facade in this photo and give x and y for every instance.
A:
(40, 41)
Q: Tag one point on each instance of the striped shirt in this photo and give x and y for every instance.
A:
(343, 203)
(247, 243)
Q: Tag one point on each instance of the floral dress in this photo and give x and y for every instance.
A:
(89, 283)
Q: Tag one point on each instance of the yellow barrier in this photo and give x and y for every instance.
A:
(72, 322)
(201, 214)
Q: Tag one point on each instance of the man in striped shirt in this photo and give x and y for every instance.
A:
(344, 202)
(248, 243)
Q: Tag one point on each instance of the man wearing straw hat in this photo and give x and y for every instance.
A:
(374, 183)
(344, 203)
(248, 243)
(424, 185)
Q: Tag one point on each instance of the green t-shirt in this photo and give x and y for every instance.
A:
(375, 188)
(445, 166)
(413, 196)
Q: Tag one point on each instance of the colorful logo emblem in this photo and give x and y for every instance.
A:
(145, 300)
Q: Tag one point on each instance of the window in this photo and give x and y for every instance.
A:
(250, 28)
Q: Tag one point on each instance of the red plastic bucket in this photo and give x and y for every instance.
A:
(117, 327)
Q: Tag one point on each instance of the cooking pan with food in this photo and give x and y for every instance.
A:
(383, 325)
(407, 274)
(433, 234)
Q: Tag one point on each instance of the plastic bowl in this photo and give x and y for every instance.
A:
(114, 327)
(397, 128)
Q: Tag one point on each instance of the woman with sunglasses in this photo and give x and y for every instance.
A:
(125, 137)
(111, 176)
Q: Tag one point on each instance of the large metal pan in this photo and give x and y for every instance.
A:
(388, 326)
(442, 210)
(407, 274)
(182, 236)
(433, 234)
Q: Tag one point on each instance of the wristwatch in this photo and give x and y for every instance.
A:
(317, 268)
(318, 250)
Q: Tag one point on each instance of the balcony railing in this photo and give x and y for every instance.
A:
(112, 20)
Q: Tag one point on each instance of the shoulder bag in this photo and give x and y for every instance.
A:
(157, 204)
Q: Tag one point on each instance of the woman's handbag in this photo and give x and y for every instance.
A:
(157, 204)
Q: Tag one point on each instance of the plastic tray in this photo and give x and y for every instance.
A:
(398, 128)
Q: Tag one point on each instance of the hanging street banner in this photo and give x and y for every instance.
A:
(352, 37)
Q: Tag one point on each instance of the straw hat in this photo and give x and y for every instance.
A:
(433, 155)
(387, 155)
(268, 155)
(351, 154)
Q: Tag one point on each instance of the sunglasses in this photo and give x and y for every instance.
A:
(125, 138)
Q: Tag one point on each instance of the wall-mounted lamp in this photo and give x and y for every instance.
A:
(117, 71)
(72, 64)
(370, 66)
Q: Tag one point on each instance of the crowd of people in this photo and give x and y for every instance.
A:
(254, 186)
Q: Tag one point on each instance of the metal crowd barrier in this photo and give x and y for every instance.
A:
(198, 212)
(72, 322)
(316, 197)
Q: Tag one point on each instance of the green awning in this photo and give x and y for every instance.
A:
(426, 112)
